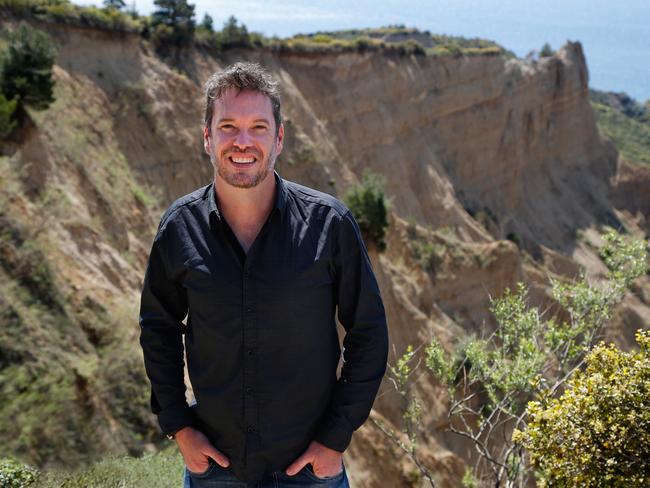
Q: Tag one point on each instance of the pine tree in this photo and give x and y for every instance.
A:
(207, 23)
(173, 23)
(26, 70)
(234, 35)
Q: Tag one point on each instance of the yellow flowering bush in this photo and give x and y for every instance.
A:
(597, 433)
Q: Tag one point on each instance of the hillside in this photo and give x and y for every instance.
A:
(495, 160)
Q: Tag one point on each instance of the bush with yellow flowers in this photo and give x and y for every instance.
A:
(598, 432)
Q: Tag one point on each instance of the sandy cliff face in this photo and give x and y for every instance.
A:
(477, 153)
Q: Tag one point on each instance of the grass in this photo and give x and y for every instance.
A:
(163, 469)
(632, 138)
(376, 40)
(68, 13)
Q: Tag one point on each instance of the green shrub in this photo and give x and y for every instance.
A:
(7, 122)
(598, 432)
(107, 19)
(428, 255)
(546, 51)
(16, 475)
(368, 204)
(631, 136)
(26, 69)
(18, 8)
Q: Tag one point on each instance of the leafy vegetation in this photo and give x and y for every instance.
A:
(546, 51)
(369, 205)
(598, 432)
(172, 23)
(396, 40)
(626, 122)
(232, 35)
(14, 474)
(527, 357)
(163, 469)
(66, 12)
(7, 119)
(25, 76)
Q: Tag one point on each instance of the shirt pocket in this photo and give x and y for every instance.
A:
(214, 301)
(204, 280)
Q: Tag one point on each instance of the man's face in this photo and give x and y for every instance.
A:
(242, 142)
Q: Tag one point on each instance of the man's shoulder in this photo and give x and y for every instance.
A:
(182, 204)
(313, 196)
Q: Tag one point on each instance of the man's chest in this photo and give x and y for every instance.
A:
(285, 268)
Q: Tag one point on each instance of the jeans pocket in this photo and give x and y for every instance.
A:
(309, 471)
(205, 473)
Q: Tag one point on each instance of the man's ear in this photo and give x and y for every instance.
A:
(206, 139)
(279, 143)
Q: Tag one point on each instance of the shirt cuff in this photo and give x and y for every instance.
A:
(174, 418)
(334, 433)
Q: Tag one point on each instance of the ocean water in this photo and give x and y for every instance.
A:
(615, 36)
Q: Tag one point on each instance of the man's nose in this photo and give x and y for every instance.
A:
(242, 140)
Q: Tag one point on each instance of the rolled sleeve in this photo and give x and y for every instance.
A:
(163, 306)
(361, 312)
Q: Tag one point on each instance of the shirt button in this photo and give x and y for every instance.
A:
(250, 428)
(249, 390)
(250, 352)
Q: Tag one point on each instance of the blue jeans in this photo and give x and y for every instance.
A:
(217, 477)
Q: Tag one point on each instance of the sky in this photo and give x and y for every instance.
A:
(615, 36)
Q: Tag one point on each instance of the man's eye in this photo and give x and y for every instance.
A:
(260, 128)
(227, 127)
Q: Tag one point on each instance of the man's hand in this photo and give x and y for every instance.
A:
(196, 450)
(324, 461)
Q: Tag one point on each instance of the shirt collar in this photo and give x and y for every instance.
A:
(280, 197)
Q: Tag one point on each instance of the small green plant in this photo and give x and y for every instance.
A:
(7, 122)
(468, 479)
(428, 255)
(369, 205)
(16, 475)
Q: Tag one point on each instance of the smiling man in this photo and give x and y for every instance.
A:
(260, 266)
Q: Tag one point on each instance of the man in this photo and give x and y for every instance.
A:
(260, 266)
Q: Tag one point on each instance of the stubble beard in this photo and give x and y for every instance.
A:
(242, 179)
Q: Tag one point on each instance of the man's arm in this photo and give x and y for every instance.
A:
(163, 306)
(361, 312)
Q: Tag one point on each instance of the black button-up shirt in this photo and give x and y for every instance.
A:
(260, 336)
